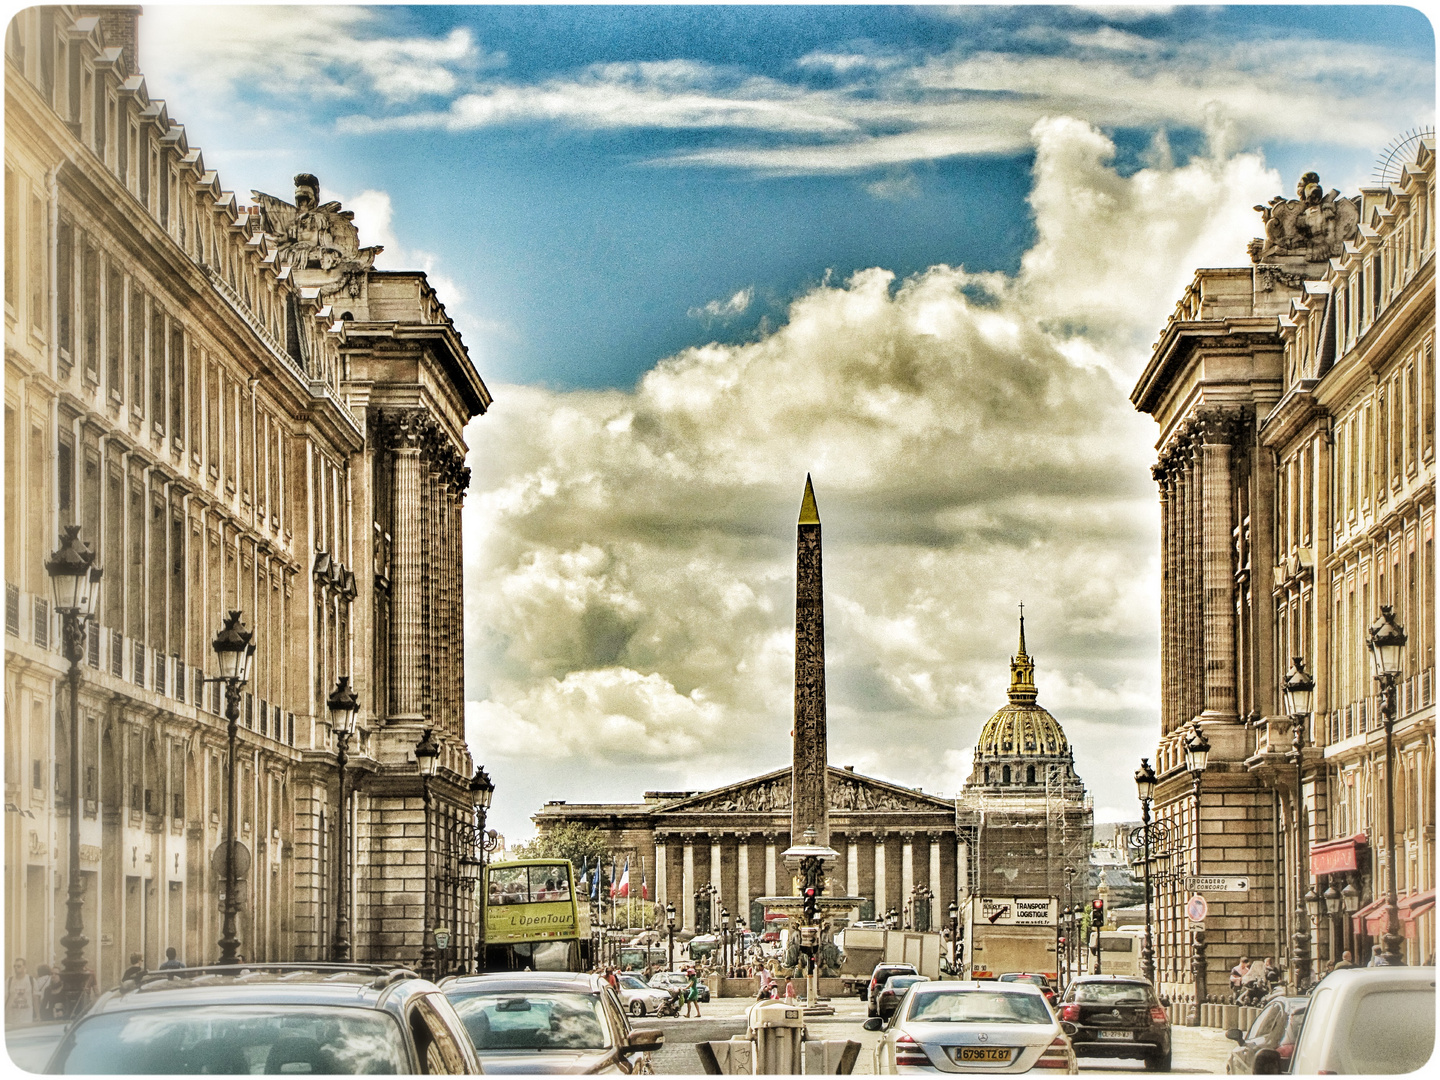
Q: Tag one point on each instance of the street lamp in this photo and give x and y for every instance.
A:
(234, 651)
(344, 708)
(670, 935)
(1298, 689)
(1387, 648)
(482, 790)
(1145, 787)
(725, 940)
(954, 939)
(892, 919)
(427, 758)
(75, 582)
(1197, 757)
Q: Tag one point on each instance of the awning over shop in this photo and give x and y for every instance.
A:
(1336, 856)
(1371, 918)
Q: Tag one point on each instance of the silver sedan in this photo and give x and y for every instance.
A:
(959, 1027)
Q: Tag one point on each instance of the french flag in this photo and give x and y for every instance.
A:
(622, 888)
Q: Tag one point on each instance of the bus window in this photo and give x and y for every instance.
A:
(549, 882)
(509, 885)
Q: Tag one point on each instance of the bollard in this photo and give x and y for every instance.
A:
(1209, 1015)
(777, 1029)
(1230, 1016)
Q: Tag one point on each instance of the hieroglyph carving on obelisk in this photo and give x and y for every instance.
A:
(809, 805)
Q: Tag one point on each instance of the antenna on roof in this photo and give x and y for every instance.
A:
(1398, 153)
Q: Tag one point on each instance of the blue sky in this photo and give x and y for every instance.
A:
(698, 252)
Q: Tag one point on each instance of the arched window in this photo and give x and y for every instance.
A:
(1006, 774)
(1029, 774)
(987, 774)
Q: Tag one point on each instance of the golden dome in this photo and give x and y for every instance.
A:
(1022, 728)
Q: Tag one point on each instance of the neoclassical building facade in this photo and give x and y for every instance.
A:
(239, 412)
(1295, 400)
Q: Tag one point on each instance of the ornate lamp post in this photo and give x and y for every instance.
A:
(427, 758)
(670, 936)
(344, 707)
(482, 790)
(234, 650)
(1197, 758)
(75, 582)
(954, 939)
(1331, 904)
(892, 919)
(1298, 689)
(1350, 900)
(1387, 648)
(1145, 787)
(725, 941)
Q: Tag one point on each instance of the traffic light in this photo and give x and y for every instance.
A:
(810, 906)
(1097, 912)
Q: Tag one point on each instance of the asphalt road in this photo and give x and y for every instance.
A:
(1197, 1050)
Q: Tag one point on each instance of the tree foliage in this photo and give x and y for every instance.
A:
(570, 840)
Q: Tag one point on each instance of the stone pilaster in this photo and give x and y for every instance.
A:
(407, 619)
(1218, 434)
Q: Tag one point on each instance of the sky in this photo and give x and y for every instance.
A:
(697, 253)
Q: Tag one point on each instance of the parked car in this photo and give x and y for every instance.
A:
(984, 1027)
(1364, 1020)
(1042, 981)
(893, 992)
(1117, 1016)
(270, 1018)
(669, 980)
(549, 1022)
(877, 980)
(642, 999)
(1276, 1028)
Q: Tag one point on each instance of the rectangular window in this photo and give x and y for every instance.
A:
(112, 588)
(1427, 401)
(142, 162)
(1412, 429)
(212, 416)
(65, 288)
(177, 383)
(12, 497)
(115, 332)
(99, 118)
(90, 302)
(12, 239)
(65, 479)
(39, 281)
(137, 349)
(162, 180)
(157, 364)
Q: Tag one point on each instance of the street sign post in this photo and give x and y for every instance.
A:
(1197, 908)
(1217, 884)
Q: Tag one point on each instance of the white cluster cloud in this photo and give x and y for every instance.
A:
(715, 310)
(630, 565)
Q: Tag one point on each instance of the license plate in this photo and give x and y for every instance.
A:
(1117, 1035)
(999, 1054)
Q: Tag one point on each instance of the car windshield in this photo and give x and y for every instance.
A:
(1038, 980)
(977, 1007)
(236, 1039)
(633, 982)
(1108, 993)
(526, 1020)
(901, 982)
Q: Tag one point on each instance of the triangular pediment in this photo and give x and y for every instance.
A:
(770, 793)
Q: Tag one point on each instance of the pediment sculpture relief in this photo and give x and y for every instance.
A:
(847, 793)
(764, 797)
(311, 235)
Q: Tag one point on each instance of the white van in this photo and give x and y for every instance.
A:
(1368, 1020)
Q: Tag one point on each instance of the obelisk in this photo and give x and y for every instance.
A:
(809, 808)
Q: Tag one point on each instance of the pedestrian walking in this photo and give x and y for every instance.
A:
(21, 1000)
(1345, 961)
(172, 963)
(1377, 956)
(692, 993)
(136, 968)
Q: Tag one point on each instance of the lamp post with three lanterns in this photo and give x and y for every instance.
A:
(1145, 787)
(1298, 689)
(75, 582)
(344, 707)
(1387, 650)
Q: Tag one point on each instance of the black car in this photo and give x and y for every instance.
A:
(537, 1022)
(1276, 1028)
(269, 1018)
(893, 992)
(877, 980)
(1117, 1016)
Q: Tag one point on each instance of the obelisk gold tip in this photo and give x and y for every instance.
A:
(809, 515)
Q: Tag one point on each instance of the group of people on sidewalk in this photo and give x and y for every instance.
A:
(39, 997)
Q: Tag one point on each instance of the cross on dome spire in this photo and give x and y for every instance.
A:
(1022, 671)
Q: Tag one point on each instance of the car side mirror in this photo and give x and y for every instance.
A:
(874, 1023)
(1067, 1027)
(1235, 1035)
(1267, 1062)
(645, 1039)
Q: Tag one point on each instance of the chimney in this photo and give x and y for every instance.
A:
(120, 25)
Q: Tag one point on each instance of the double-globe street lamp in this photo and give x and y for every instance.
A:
(1299, 687)
(234, 650)
(1387, 649)
(1145, 787)
(954, 939)
(75, 583)
(427, 759)
(670, 936)
(344, 708)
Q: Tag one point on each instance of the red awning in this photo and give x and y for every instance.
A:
(1371, 918)
(775, 916)
(1334, 856)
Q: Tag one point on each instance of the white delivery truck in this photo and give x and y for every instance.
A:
(1010, 933)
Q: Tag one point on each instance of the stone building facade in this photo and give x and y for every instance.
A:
(239, 412)
(1269, 384)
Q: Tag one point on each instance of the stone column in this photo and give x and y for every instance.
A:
(716, 880)
(880, 875)
(907, 870)
(742, 877)
(934, 880)
(1167, 581)
(852, 874)
(770, 865)
(662, 894)
(1219, 432)
(407, 573)
(809, 802)
(687, 884)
